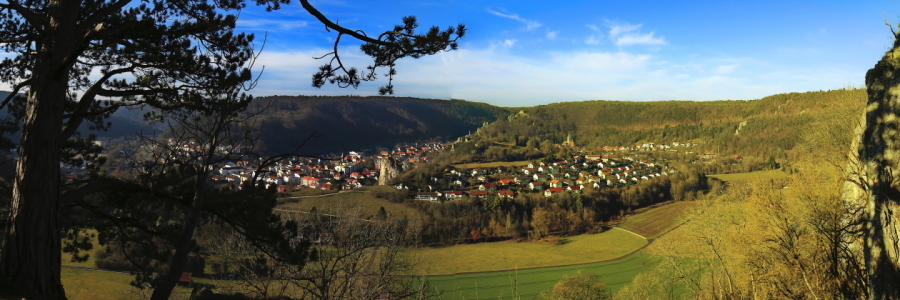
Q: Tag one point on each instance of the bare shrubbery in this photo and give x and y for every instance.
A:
(351, 258)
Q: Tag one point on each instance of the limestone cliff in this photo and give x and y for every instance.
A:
(390, 169)
(873, 196)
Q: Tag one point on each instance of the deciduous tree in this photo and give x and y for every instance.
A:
(581, 286)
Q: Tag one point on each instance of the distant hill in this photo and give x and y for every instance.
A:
(353, 123)
(763, 128)
(124, 122)
(344, 122)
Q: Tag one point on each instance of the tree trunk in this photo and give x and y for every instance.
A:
(30, 260)
(183, 247)
(879, 179)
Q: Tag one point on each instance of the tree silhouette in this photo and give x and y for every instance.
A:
(157, 54)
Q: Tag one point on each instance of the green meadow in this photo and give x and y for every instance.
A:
(529, 283)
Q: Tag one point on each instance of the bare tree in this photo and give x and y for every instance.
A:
(352, 258)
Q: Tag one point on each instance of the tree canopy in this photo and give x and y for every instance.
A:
(164, 55)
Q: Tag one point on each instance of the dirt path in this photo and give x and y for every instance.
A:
(326, 195)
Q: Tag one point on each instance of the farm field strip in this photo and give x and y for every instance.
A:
(531, 282)
(612, 244)
(656, 221)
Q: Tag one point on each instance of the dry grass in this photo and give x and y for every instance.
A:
(88, 284)
(303, 192)
(103, 285)
(365, 201)
(492, 164)
(67, 258)
(751, 176)
(656, 221)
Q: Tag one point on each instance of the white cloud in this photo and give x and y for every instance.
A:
(616, 29)
(529, 24)
(509, 43)
(639, 39)
(494, 75)
(264, 24)
(625, 34)
(552, 34)
(726, 69)
(594, 39)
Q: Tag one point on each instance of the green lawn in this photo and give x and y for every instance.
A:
(744, 177)
(656, 221)
(511, 255)
(528, 284)
(492, 164)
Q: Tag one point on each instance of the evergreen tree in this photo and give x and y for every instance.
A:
(160, 54)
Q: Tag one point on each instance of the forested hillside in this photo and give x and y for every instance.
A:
(352, 123)
(759, 129)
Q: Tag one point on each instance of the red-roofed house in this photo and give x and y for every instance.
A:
(479, 194)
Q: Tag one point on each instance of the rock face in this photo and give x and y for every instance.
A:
(874, 188)
(390, 169)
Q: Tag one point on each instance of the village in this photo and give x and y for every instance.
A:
(567, 176)
(357, 169)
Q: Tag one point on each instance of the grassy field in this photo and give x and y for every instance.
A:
(656, 221)
(67, 258)
(364, 200)
(492, 164)
(528, 284)
(88, 284)
(100, 285)
(311, 192)
(511, 255)
(744, 177)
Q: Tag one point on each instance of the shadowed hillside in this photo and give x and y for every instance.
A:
(344, 122)
(352, 123)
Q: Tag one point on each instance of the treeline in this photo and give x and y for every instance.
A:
(534, 216)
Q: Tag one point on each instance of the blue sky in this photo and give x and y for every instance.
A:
(525, 53)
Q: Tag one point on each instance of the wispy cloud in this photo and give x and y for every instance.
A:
(594, 39)
(726, 69)
(495, 75)
(529, 24)
(263, 24)
(507, 43)
(625, 34)
(552, 34)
